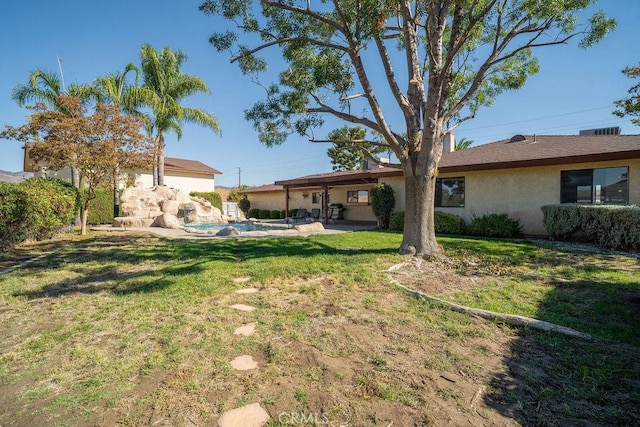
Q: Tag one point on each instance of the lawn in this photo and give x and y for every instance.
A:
(131, 329)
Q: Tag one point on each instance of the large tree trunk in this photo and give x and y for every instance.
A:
(75, 181)
(85, 215)
(116, 193)
(419, 235)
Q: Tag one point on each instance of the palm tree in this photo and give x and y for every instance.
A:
(44, 86)
(167, 86)
(115, 89)
(463, 143)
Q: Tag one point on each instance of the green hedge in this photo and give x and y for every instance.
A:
(101, 208)
(444, 223)
(396, 221)
(494, 225)
(13, 213)
(382, 203)
(275, 215)
(264, 214)
(615, 227)
(244, 205)
(254, 213)
(210, 196)
(36, 209)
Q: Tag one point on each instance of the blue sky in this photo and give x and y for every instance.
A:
(574, 90)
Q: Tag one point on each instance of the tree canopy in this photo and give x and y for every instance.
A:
(96, 145)
(407, 70)
(630, 106)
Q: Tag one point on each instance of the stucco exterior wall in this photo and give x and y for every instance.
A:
(184, 182)
(521, 193)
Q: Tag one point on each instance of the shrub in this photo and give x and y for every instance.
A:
(293, 212)
(275, 214)
(101, 208)
(396, 221)
(51, 206)
(382, 203)
(446, 223)
(254, 213)
(616, 227)
(283, 214)
(13, 215)
(244, 205)
(210, 196)
(264, 214)
(494, 225)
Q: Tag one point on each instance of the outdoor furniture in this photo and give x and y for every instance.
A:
(300, 216)
(315, 214)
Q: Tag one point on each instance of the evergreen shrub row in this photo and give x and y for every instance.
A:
(489, 225)
(608, 226)
(35, 209)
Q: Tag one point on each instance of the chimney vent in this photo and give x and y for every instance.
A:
(602, 131)
(448, 143)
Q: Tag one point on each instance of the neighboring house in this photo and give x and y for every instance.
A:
(515, 176)
(184, 175)
(181, 174)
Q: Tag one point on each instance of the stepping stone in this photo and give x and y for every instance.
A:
(241, 279)
(244, 363)
(247, 291)
(245, 330)
(243, 307)
(252, 415)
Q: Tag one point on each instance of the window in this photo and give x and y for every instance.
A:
(449, 192)
(606, 186)
(359, 196)
(316, 198)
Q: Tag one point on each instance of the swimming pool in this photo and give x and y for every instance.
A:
(241, 226)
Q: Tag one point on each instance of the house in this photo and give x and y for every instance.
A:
(515, 176)
(184, 175)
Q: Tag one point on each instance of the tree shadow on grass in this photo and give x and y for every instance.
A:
(552, 379)
(140, 264)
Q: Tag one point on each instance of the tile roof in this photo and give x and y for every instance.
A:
(183, 165)
(516, 152)
(541, 150)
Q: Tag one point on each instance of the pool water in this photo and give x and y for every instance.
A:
(242, 227)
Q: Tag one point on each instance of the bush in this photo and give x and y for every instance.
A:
(443, 223)
(49, 207)
(396, 221)
(283, 214)
(615, 227)
(13, 215)
(210, 196)
(264, 214)
(244, 205)
(101, 208)
(275, 215)
(382, 203)
(494, 225)
(446, 223)
(254, 213)
(293, 212)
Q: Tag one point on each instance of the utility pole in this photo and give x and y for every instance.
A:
(239, 177)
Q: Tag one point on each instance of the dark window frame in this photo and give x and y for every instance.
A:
(597, 186)
(449, 202)
(356, 199)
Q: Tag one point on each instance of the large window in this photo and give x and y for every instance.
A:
(358, 196)
(606, 186)
(450, 192)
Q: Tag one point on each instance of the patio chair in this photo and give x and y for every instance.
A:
(300, 216)
(315, 214)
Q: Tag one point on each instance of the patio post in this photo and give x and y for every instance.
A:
(286, 203)
(325, 205)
